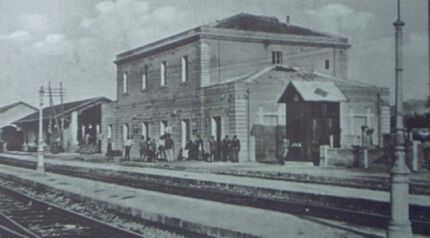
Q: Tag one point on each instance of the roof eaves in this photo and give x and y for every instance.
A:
(83, 104)
(156, 45)
(7, 107)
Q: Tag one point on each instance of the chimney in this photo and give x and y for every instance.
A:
(287, 19)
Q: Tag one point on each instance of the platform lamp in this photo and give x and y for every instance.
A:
(40, 163)
(399, 226)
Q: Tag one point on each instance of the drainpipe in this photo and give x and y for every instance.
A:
(248, 122)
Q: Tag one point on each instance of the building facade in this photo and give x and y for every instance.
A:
(224, 78)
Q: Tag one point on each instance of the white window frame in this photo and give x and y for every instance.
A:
(163, 127)
(110, 131)
(184, 69)
(163, 74)
(125, 131)
(144, 78)
(125, 82)
(145, 129)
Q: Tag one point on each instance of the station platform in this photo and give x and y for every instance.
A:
(243, 181)
(372, 179)
(209, 218)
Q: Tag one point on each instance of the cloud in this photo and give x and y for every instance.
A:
(34, 22)
(17, 36)
(165, 13)
(131, 23)
(55, 44)
(340, 19)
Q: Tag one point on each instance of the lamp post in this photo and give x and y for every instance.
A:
(40, 163)
(400, 226)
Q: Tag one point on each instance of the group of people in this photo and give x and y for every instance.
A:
(225, 150)
(164, 149)
(151, 150)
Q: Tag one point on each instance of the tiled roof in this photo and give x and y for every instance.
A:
(249, 22)
(318, 91)
(68, 107)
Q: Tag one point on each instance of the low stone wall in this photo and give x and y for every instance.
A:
(354, 157)
(344, 157)
(417, 157)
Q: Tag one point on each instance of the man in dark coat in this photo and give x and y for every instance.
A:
(199, 148)
(143, 149)
(152, 148)
(109, 149)
(226, 148)
(169, 147)
(235, 144)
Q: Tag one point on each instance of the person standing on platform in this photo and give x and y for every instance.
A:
(187, 153)
(199, 147)
(161, 153)
(170, 148)
(235, 144)
(212, 149)
(152, 148)
(226, 146)
(143, 149)
(128, 144)
(109, 152)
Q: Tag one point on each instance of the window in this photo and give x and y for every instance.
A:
(125, 82)
(276, 57)
(109, 132)
(163, 127)
(144, 77)
(163, 73)
(184, 67)
(145, 130)
(125, 132)
(327, 64)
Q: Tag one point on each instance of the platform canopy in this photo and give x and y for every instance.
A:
(316, 91)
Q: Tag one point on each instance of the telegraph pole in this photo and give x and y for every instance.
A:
(400, 226)
(56, 92)
(61, 126)
(40, 160)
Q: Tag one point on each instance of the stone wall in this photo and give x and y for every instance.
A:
(366, 105)
(232, 58)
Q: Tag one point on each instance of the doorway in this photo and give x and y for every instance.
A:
(125, 132)
(216, 131)
(185, 132)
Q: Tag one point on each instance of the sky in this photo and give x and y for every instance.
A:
(76, 41)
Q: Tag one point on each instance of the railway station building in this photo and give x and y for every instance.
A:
(251, 76)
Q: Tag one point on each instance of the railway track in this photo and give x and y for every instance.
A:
(363, 212)
(25, 216)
